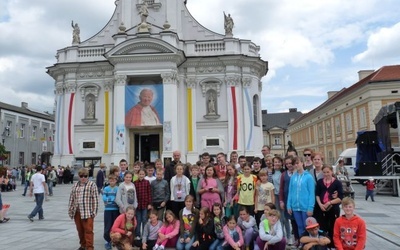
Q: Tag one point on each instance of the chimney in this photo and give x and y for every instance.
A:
(364, 73)
(264, 112)
(292, 110)
(24, 105)
(331, 93)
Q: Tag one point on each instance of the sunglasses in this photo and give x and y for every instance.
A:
(83, 176)
(306, 155)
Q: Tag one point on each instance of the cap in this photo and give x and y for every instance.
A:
(311, 222)
(371, 179)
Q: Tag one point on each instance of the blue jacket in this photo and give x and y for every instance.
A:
(301, 192)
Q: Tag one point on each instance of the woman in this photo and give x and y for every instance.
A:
(329, 195)
(301, 197)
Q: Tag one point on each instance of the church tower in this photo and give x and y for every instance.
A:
(153, 81)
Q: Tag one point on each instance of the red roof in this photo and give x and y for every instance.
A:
(384, 74)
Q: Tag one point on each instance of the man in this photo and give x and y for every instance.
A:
(82, 207)
(266, 150)
(39, 188)
(220, 169)
(101, 177)
(51, 178)
(143, 114)
(170, 169)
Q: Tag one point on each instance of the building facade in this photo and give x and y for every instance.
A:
(143, 87)
(332, 126)
(275, 129)
(27, 135)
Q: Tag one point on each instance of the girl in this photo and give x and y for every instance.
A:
(188, 217)
(233, 235)
(248, 224)
(270, 167)
(246, 189)
(168, 233)
(122, 230)
(210, 189)
(143, 189)
(318, 160)
(180, 187)
(205, 225)
(268, 207)
(271, 233)
(126, 194)
(276, 178)
(301, 197)
(219, 223)
(150, 231)
(230, 184)
(264, 194)
(328, 209)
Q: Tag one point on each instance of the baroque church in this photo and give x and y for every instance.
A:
(153, 81)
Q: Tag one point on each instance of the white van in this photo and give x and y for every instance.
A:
(349, 158)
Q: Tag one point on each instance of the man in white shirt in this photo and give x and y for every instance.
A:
(39, 188)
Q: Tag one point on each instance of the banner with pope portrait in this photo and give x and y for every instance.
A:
(144, 105)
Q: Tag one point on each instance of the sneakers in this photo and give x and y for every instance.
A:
(30, 218)
(4, 220)
(41, 218)
(108, 246)
(137, 238)
(156, 247)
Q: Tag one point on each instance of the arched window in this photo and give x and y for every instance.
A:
(256, 110)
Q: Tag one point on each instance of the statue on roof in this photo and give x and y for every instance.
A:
(228, 24)
(144, 12)
(75, 33)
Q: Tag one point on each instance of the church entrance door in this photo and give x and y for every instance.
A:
(147, 147)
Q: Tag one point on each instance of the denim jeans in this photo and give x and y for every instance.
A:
(39, 206)
(216, 244)
(300, 218)
(26, 187)
(186, 246)
(50, 185)
(141, 217)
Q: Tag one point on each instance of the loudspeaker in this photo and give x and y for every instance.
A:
(370, 168)
(367, 138)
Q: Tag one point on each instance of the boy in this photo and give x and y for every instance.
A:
(194, 181)
(256, 167)
(350, 232)
(159, 164)
(160, 193)
(111, 210)
(246, 189)
(370, 187)
(313, 238)
(136, 168)
(150, 172)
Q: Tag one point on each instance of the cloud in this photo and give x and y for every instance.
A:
(382, 45)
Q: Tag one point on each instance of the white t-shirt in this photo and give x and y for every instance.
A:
(38, 180)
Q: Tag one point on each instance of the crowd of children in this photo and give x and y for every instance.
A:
(237, 205)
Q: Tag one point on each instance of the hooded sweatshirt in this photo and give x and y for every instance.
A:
(301, 192)
(349, 234)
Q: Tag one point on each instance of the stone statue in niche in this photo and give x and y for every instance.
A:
(75, 33)
(90, 109)
(211, 104)
(228, 24)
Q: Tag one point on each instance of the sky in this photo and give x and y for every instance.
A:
(311, 46)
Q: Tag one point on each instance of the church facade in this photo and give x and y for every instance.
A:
(144, 87)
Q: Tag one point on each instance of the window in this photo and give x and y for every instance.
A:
(8, 128)
(277, 140)
(256, 110)
(21, 159)
(362, 117)
(34, 129)
(337, 126)
(328, 128)
(22, 131)
(349, 125)
(320, 131)
(33, 161)
(45, 133)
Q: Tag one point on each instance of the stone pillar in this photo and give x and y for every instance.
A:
(108, 117)
(68, 119)
(119, 133)
(170, 126)
(59, 140)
